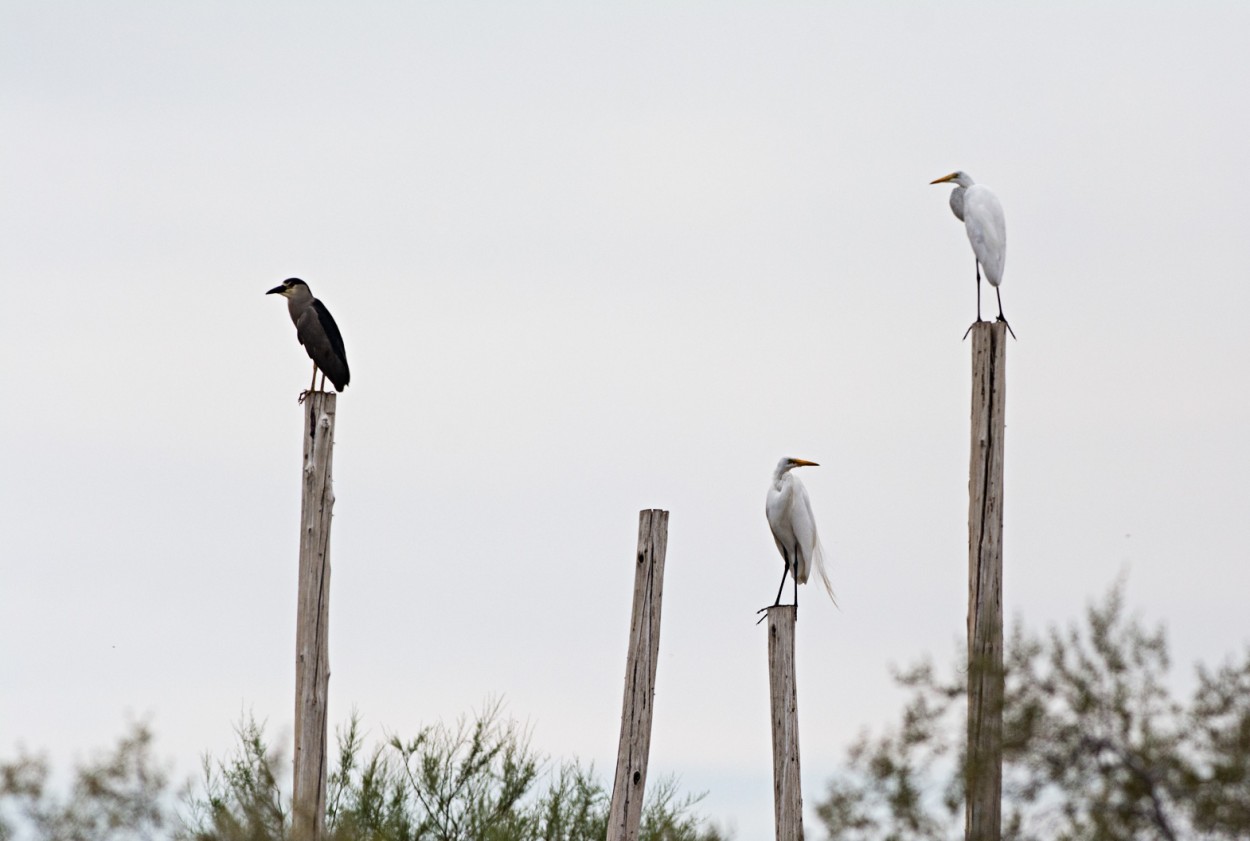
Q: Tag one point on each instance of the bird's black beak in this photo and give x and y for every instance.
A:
(276, 290)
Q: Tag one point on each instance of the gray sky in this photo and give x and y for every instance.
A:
(588, 259)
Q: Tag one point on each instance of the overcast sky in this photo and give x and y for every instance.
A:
(589, 259)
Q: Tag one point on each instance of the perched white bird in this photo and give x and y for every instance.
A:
(982, 214)
(794, 528)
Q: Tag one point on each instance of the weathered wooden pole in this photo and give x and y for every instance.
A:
(984, 773)
(784, 704)
(312, 649)
(625, 812)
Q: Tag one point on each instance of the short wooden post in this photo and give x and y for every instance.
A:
(784, 703)
(625, 811)
(983, 812)
(312, 650)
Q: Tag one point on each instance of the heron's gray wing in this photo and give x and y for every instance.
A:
(320, 336)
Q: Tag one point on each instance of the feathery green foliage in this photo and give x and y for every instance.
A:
(477, 781)
(1094, 746)
(116, 797)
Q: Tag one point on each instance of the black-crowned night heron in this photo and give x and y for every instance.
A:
(317, 332)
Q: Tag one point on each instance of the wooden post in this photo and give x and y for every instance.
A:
(312, 650)
(784, 703)
(984, 773)
(625, 812)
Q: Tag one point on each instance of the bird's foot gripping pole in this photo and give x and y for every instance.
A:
(1002, 317)
(764, 610)
(784, 571)
(978, 321)
(1004, 321)
(312, 386)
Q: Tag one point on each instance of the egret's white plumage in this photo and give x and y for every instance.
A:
(982, 214)
(790, 517)
(957, 203)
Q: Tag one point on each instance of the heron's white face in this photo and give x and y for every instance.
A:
(288, 288)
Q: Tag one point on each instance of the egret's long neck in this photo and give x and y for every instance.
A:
(957, 202)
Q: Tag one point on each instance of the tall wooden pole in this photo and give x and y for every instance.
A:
(312, 650)
(984, 773)
(625, 811)
(784, 703)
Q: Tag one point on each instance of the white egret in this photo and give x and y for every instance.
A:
(982, 214)
(790, 517)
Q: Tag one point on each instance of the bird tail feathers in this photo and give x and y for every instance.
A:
(818, 561)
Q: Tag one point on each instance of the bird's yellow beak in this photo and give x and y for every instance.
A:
(800, 462)
(944, 178)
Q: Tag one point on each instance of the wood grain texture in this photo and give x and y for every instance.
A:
(625, 811)
(983, 812)
(784, 705)
(312, 650)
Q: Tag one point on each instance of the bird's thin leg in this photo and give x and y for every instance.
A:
(304, 395)
(978, 321)
(782, 585)
(1002, 317)
(978, 262)
(784, 569)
